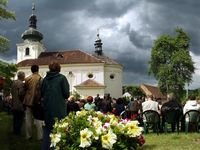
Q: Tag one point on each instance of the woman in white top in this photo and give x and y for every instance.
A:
(191, 104)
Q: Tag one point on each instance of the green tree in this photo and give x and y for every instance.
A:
(171, 63)
(6, 70)
(5, 14)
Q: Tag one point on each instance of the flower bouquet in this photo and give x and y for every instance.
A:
(90, 130)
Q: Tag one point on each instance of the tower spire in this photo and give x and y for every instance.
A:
(33, 18)
(98, 44)
(33, 7)
(32, 33)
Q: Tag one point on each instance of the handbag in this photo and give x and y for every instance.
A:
(37, 108)
(38, 111)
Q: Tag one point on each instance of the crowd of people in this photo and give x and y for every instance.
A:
(50, 92)
(57, 103)
(137, 106)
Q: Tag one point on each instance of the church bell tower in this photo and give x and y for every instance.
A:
(31, 47)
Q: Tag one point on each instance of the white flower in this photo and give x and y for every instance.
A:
(81, 113)
(86, 135)
(55, 138)
(63, 125)
(108, 140)
(90, 119)
(133, 128)
(121, 126)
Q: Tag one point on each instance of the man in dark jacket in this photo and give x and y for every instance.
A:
(55, 91)
(171, 104)
(105, 104)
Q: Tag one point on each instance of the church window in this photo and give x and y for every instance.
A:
(90, 75)
(112, 76)
(27, 51)
(70, 74)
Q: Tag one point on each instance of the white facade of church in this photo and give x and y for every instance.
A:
(100, 75)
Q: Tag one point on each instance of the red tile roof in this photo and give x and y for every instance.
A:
(152, 90)
(90, 84)
(66, 57)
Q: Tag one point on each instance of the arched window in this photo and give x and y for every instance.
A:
(27, 51)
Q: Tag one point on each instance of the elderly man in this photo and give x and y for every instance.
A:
(18, 92)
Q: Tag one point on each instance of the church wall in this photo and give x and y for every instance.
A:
(113, 85)
(76, 74)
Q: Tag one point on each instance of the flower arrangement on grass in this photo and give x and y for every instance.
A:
(93, 130)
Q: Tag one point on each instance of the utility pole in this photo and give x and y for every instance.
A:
(187, 89)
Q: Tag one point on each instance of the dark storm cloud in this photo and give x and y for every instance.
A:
(102, 8)
(164, 16)
(138, 79)
(110, 9)
(127, 27)
(140, 40)
(133, 64)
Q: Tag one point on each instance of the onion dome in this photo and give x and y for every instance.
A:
(32, 33)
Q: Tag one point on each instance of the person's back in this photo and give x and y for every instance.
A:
(17, 92)
(30, 88)
(89, 104)
(171, 108)
(120, 107)
(150, 104)
(191, 104)
(134, 106)
(72, 106)
(171, 105)
(97, 101)
(105, 106)
(55, 91)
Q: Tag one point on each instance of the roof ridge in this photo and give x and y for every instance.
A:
(92, 56)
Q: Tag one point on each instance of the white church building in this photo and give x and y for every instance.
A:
(87, 74)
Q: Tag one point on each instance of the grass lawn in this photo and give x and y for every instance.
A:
(8, 141)
(169, 141)
(172, 141)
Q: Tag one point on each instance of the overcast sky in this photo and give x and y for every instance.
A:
(128, 29)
